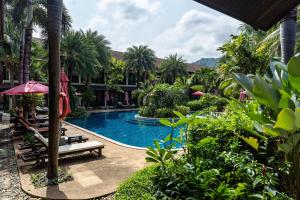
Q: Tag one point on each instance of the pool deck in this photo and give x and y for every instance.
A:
(93, 176)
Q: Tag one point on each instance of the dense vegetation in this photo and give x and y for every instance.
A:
(251, 152)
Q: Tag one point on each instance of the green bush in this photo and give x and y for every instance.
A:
(183, 109)
(197, 87)
(147, 111)
(164, 97)
(138, 186)
(216, 164)
(88, 97)
(194, 105)
(206, 101)
(163, 113)
(78, 112)
(135, 96)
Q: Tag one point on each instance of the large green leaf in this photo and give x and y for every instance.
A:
(294, 139)
(285, 100)
(285, 120)
(165, 122)
(244, 81)
(295, 82)
(251, 141)
(294, 66)
(286, 148)
(269, 130)
(264, 93)
(297, 117)
(279, 65)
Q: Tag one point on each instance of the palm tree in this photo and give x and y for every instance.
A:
(288, 35)
(2, 15)
(282, 38)
(172, 67)
(9, 52)
(140, 59)
(79, 55)
(102, 49)
(34, 11)
(55, 9)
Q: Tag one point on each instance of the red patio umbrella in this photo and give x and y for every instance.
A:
(198, 94)
(31, 87)
(64, 100)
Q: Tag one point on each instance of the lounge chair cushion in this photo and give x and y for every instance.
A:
(66, 149)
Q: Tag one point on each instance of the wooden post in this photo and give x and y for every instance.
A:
(54, 33)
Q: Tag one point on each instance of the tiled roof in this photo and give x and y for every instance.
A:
(190, 67)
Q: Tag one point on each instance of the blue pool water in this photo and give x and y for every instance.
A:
(122, 127)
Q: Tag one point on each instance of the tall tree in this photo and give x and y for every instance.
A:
(288, 35)
(103, 51)
(2, 10)
(34, 11)
(55, 9)
(9, 52)
(79, 55)
(140, 59)
(172, 67)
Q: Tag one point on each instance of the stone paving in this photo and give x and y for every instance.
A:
(10, 187)
(93, 176)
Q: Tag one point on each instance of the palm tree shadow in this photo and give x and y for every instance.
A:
(54, 191)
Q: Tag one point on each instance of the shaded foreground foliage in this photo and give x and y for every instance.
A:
(215, 164)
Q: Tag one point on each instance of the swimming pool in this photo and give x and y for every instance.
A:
(122, 127)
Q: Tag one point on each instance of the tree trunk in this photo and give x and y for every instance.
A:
(11, 81)
(27, 52)
(288, 35)
(54, 8)
(21, 71)
(2, 10)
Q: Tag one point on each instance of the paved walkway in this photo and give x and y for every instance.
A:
(93, 176)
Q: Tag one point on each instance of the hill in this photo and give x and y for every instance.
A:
(207, 62)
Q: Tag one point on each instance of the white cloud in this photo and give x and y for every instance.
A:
(197, 34)
(132, 10)
(96, 21)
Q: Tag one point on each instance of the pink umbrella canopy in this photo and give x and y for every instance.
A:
(126, 98)
(198, 94)
(31, 87)
(64, 101)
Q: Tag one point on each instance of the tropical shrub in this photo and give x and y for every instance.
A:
(276, 112)
(215, 163)
(208, 101)
(197, 87)
(78, 112)
(147, 111)
(163, 112)
(74, 100)
(164, 98)
(88, 97)
(182, 109)
(207, 78)
(242, 54)
(135, 96)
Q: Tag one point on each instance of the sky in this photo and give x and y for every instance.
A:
(166, 26)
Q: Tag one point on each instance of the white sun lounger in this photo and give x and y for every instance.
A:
(68, 149)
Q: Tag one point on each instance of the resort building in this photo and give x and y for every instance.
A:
(98, 85)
